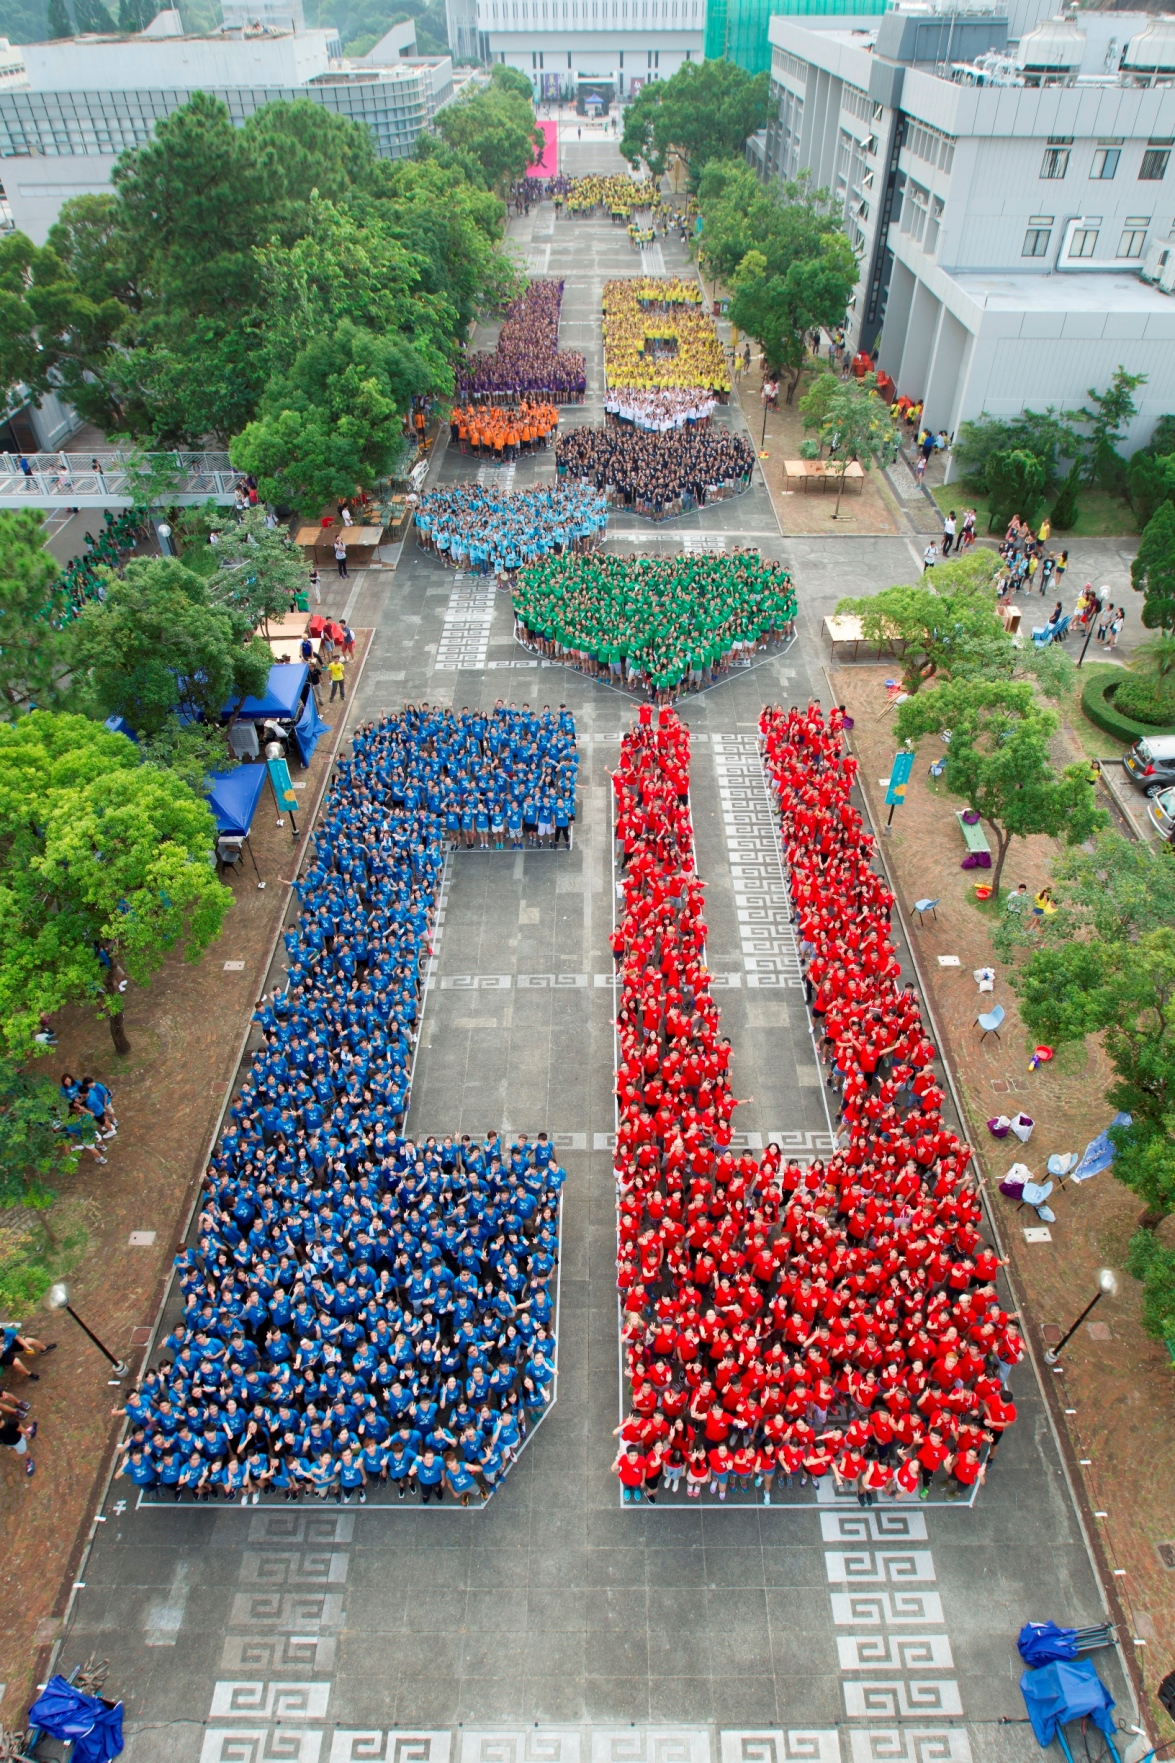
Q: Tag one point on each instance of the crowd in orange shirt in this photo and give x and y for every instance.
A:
(783, 1324)
(497, 431)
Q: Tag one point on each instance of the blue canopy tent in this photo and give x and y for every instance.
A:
(233, 797)
(61, 1712)
(281, 698)
(1068, 1689)
(308, 728)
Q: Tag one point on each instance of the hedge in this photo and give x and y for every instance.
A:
(1097, 702)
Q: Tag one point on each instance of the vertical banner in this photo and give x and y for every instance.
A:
(283, 789)
(899, 777)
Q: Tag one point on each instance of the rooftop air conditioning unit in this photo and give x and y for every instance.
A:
(1158, 266)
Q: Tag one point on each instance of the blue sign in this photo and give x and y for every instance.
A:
(899, 777)
(283, 789)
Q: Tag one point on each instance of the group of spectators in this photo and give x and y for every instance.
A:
(665, 625)
(497, 532)
(527, 361)
(786, 1324)
(358, 1308)
(503, 433)
(657, 336)
(658, 411)
(658, 475)
(17, 1428)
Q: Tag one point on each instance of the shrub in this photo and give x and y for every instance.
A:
(1146, 700)
(1148, 1261)
(1067, 504)
(1098, 701)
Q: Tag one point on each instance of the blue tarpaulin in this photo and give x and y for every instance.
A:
(118, 725)
(65, 1713)
(1069, 1689)
(283, 694)
(1042, 1642)
(308, 728)
(233, 798)
(1099, 1153)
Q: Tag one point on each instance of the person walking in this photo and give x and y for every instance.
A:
(341, 556)
(338, 679)
(1115, 631)
(930, 557)
(948, 533)
(16, 1434)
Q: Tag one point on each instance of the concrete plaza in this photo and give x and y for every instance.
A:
(557, 1626)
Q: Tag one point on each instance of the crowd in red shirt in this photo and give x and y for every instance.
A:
(783, 1323)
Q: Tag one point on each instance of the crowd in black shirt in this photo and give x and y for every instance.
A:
(659, 475)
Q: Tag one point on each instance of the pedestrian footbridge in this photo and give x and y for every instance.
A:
(114, 479)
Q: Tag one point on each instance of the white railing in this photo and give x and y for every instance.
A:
(109, 479)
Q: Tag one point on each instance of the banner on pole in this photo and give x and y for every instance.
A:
(899, 777)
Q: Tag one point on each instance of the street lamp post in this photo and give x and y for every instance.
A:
(59, 1300)
(1107, 1285)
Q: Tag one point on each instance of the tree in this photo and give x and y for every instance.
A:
(511, 79)
(50, 328)
(1067, 505)
(1046, 434)
(1015, 483)
(105, 869)
(60, 23)
(1147, 1260)
(998, 759)
(497, 127)
(33, 1150)
(93, 18)
(781, 311)
(1152, 570)
(260, 571)
(32, 603)
(334, 422)
(159, 644)
(947, 622)
(135, 15)
(1123, 989)
(706, 111)
(853, 423)
(1150, 481)
(1112, 412)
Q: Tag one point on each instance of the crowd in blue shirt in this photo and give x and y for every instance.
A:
(358, 1307)
(497, 532)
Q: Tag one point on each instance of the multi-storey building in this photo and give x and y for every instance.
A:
(1001, 181)
(563, 44)
(89, 99)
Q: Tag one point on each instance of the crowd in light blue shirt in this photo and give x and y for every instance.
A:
(490, 531)
(356, 1306)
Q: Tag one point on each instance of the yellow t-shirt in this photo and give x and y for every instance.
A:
(336, 669)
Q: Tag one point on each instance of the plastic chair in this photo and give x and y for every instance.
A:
(923, 906)
(990, 1023)
(1062, 1163)
(937, 769)
(1034, 1194)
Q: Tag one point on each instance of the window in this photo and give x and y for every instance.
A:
(1084, 242)
(1133, 240)
(915, 210)
(1036, 239)
(1055, 162)
(934, 224)
(927, 143)
(1154, 160)
(1105, 161)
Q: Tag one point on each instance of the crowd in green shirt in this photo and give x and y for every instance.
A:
(666, 624)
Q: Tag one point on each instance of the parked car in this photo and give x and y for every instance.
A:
(1161, 813)
(1150, 763)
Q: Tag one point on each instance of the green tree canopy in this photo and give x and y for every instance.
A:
(51, 329)
(33, 1151)
(31, 597)
(1015, 483)
(705, 112)
(780, 311)
(105, 868)
(1152, 570)
(1048, 435)
(947, 622)
(998, 759)
(852, 423)
(160, 643)
(496, 127)
(1108, 420)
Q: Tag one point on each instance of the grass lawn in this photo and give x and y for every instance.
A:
(1100, 516)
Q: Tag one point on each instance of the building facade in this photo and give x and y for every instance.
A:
(561, 43)
(87, 100)
(1001, 182)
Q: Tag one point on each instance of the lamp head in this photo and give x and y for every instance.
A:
(1107, 1281)
(58, 1296)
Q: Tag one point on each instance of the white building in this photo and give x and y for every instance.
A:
(86, 100)
(563, 44)
(1002, 181)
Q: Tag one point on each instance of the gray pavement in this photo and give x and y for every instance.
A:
(557, 1626)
